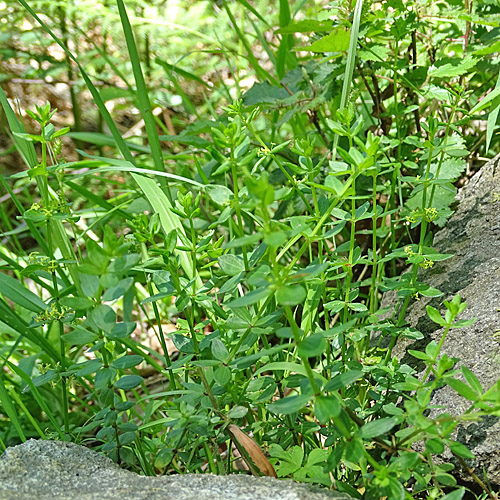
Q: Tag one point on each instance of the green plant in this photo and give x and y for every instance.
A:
(269, 247)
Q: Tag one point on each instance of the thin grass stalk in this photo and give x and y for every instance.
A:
(143, 97)
(349, 68)
(261, 72)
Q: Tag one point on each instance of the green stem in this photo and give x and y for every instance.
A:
(305, 360)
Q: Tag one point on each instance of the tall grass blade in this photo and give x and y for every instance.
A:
(39, 398)
(284, 50)
(120, 143)
(261, 72)
(14, 321)
(25, 148)
(492, 120)
(10, 410)
(349, 68)
(142, 93)
(168, 220)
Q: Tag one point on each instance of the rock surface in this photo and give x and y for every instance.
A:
(472, 235)
(55, 470)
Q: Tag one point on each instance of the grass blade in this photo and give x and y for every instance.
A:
(120, 143)
(261, 72)
(284, 50)
(349, 68)
(168, 220)
(142, 93)
(14, 321)
(39, 398)
(10, 409)
(492, 120)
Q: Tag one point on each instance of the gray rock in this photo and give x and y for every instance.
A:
(55, 470)
(472, 235)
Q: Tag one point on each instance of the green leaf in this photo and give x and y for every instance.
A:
(455, 495)
(313, 345)
(231, 264)
(77, 303)
(251, 297)
(419, 354)
(219, 194)
(377, 427)
(434, 315)
(79, 336)
(119, 290)
(472, 380)
(290, 295)
(434, 445)
(244, 240)
(354, 450)
(282, 366)
(452, 70)
(219, 350)
(446, 479)
(10, 410)
(486, 101)
(142, 98)
(264, 93)
(306, 26)
(460, 449)
(492, 119)
(169, 221)
(128, 382)
(290, 404)
(326, 408)
(104, 318)
(127, 361)
(15, 291)
(103, 377)
(237, 412)
(463, 389)
(336, 41)
(222, 375)
(343, 380)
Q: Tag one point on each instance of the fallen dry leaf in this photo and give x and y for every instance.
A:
(250, 449)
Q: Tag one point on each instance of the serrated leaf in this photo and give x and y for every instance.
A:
(336, 41)
(452, 70)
